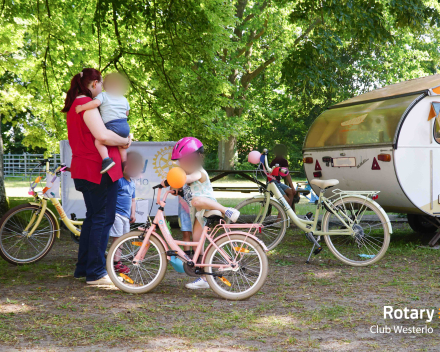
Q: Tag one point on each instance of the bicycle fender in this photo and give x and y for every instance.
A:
(57, 224)
(262, 196)
(369, 200)
(235, 233)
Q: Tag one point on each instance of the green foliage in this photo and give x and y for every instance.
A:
(257, 70)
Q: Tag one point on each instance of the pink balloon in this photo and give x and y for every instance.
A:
(254, 157)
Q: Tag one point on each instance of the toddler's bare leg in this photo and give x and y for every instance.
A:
(206, 203)
(123, 153)
(197, 233)
(187, 238)
(102, 149)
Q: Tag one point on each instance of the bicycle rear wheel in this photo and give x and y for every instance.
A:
(371, 238)
(16, 247)
(142, 277)
(251, 273)
(274, 221)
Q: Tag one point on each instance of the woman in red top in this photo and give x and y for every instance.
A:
(99, 191)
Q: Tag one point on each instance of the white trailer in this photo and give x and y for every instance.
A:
(385, 140)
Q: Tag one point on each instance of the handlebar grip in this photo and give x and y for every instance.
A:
(157, 186)
(43, 161)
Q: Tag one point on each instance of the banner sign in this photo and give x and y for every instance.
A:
(157, 163)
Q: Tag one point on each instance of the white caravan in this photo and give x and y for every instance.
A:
(386, 140)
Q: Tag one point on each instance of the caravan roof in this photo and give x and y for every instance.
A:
(413, 86)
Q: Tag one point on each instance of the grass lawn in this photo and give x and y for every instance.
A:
(325, 305)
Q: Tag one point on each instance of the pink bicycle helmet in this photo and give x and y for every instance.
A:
(185, 146)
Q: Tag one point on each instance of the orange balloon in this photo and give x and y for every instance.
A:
(176, 177)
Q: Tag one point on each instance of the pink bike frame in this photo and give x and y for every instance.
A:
(207, 233)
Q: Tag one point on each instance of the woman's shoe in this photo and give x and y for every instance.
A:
(105, 280)
(199, 283)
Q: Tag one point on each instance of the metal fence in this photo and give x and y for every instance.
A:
(21, 165)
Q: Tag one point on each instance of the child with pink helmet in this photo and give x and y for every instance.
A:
(189, 151)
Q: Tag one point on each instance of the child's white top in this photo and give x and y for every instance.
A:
(202, 189)
(112, 107)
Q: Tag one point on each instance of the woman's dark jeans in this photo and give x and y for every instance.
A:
(101, 209)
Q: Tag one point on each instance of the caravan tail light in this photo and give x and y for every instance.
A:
(317, 174)
(308, 160)
(384, 157)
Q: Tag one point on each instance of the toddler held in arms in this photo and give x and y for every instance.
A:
(189, 152)
(114, 110)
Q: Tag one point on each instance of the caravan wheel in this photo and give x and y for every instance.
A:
(421, 224)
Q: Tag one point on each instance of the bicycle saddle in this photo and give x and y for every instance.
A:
(213, 215)
(323, 184)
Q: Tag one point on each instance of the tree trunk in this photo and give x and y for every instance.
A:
(4, 205)
(226, 153)
(226, 147)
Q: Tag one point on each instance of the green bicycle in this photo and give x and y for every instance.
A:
(355, 228)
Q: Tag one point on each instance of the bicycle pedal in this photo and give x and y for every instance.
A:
(317, 250)
(171, 253)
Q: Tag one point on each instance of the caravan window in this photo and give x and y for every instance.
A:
(368, 123)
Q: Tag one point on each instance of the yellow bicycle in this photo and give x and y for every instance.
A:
(27, 232)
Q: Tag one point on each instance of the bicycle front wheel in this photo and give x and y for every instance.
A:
(142, 277)
(274, 220)
(247, 278)
(371, 235)
(16, 246)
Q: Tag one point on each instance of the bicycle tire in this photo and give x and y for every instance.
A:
(134, 235)
(217, 287)
(270, 237)
(7, 220)
(331, 244)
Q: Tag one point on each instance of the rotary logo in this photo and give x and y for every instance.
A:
(162, 162)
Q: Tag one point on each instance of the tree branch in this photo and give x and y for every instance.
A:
(247, 78)
(48, 9)
(115, 24)
(308, 30)
(252, 40)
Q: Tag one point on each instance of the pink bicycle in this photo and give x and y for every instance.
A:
(234, 263)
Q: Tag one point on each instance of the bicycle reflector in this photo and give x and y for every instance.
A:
(308, 160)
(225, 281)
(317, 174)
(241, 250)
(126, 278)
(384, 157)
(375, 197)
(136, 244)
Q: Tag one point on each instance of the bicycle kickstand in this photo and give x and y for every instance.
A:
(311, 252)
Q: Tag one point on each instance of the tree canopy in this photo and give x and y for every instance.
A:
(246, 73)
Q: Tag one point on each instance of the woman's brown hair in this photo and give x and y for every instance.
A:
(79, 86)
